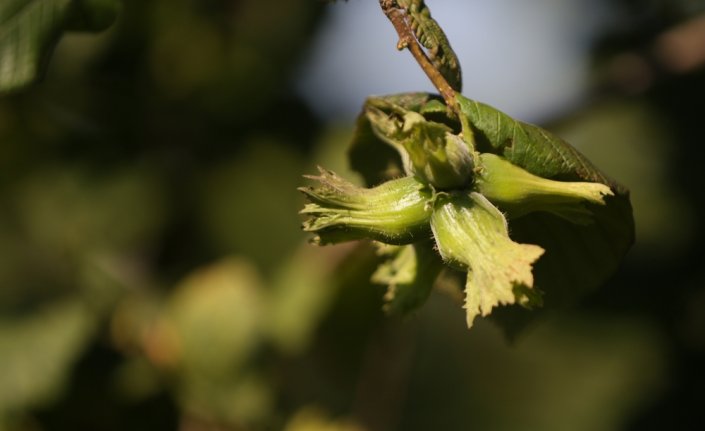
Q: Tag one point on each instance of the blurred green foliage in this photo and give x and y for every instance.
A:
(29, 30)
(153, 276)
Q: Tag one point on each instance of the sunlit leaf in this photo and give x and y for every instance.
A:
(211, 327)
(37, 353)
(302, 294)
(314, 419)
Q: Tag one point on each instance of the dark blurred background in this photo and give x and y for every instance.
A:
(153, 274)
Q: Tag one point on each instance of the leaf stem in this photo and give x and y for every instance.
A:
(408, 40)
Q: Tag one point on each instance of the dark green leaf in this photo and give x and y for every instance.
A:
(578, 257)
(409, 273)
(430, 34)
(530, 147)
(29, 30)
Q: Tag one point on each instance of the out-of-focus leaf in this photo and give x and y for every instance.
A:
(692, 323)
(212, 57)
(244, 199)
(579, 372)
(215, 315)
(302, 293)
(632, 139)
(80, 212)
(136, 379)
(211, 328)
(29, 29)
(409, 274)
(93, 15)
(314, 419)
(37, 352)
(328, 152)
(64, 229)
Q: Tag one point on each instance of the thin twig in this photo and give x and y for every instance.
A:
(408, 40)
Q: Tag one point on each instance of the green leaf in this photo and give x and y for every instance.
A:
(409, 274)
(530, 147)
(29, 30)
(210, 331)
(92, 15)
(38, 351)
(302, 293)
(430, 34)
(313, 418)
(579, 257)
